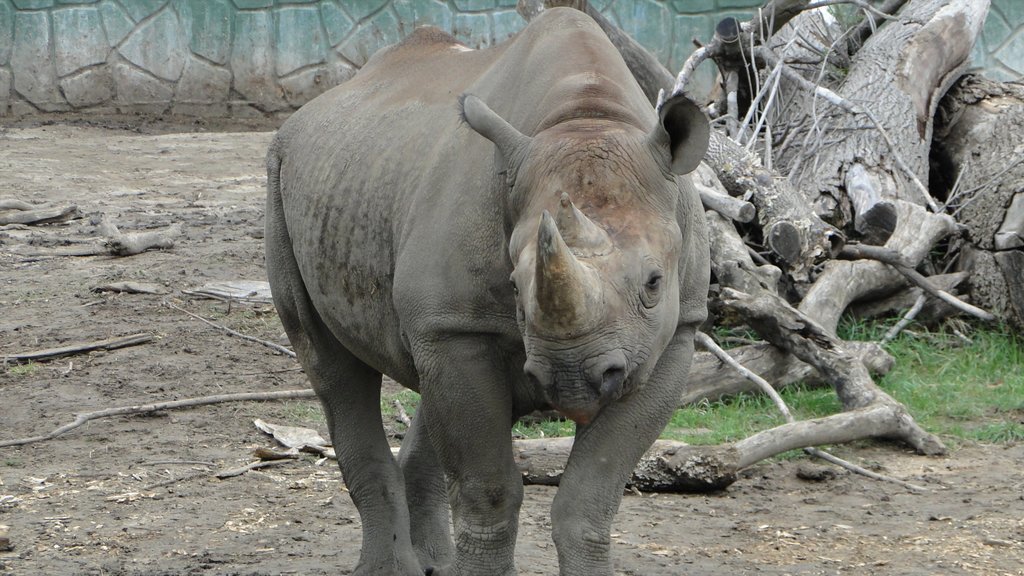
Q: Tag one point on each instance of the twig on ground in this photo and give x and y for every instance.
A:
(169, 481)
(51, 353)
(863, 471)
(235, 333)
(84, 417)
(230, 472)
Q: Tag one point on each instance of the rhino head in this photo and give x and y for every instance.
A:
(595, 246)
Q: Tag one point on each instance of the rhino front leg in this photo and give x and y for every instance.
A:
(467, 406)
(427, 494)
(602, 459)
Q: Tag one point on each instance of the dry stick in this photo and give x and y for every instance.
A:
(894, 259)
(84, 417)
(250, 466)
(108, 344)
(893, 332)
(709, 344)
(402, 415)
(266, 343)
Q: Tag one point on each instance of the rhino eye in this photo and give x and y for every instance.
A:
(515, 288)
(652, 289)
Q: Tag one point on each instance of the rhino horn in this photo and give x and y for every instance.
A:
(565, 289)
(583, 236)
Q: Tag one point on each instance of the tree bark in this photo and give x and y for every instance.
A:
(978, 148)
(899, 75)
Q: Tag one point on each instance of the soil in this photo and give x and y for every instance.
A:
(136, 495)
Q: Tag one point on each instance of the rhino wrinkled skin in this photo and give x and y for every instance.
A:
(501, 230)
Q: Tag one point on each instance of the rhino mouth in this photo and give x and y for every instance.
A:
(581, 394)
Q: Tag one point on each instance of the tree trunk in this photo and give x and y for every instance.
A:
(978, 147)
(899, 75)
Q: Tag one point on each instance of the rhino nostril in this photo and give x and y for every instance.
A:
(535, 374)
(611, 381)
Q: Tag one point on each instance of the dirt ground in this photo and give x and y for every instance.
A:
(135, 495)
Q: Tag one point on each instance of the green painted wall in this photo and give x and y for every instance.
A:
(253, 57)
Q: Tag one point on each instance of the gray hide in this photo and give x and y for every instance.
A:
(529, 245)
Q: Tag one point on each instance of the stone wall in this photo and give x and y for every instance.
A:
(253, 57)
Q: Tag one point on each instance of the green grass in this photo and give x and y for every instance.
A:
(967, 390)
(963, 391)
(26, 369)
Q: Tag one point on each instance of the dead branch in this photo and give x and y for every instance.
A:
(84, 417)
(255, 465)
(121, 244)
(37, 216)
(231, 332)
(401, 415)
(780, 441)
(894, 259)
(907, 318)
(788, 328)
(844, 281)
(732, 208)
(710, 379)
(81, 348)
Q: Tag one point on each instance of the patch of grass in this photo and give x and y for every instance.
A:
(544, 429)
(733, 419)
(963, 391)
(303, 412)
(26, 369)
(969, 390)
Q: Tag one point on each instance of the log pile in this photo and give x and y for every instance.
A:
(852, 169)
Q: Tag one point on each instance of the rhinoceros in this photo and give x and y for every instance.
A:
(501, 230)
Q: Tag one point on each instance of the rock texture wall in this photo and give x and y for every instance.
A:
(253, 57)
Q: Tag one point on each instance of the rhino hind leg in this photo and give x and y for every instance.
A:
(349, 391)
(427, 493)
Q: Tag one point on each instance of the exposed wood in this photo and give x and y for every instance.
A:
(710, 379)
(978, 148)
(131, 288)
(843, 282)
(874, 216)
(121, 244)
(256, 465)
(79, 348)
(39, 215)
(732, 208)
(900, 73)
(1011, 232)
(85, 417)
(933, 310)
(895, 260)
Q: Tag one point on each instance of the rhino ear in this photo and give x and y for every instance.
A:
(682, 131)
(510, 142)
